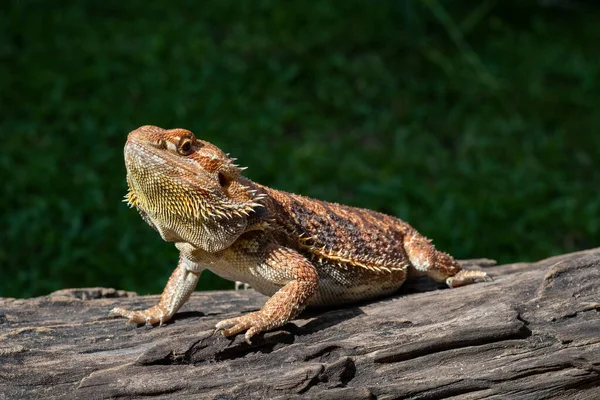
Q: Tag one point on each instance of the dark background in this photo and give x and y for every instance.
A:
(476, 121)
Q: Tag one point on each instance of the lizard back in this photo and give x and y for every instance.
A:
(347, 245)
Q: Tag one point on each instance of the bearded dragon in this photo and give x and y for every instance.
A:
(297, 250)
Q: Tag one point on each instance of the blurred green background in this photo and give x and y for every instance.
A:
(476, 121)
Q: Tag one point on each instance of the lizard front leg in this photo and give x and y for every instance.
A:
(299, 279)
(180, 286)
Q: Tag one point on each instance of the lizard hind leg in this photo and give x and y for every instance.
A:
(439, 266)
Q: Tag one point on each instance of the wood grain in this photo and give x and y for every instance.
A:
(533, 333)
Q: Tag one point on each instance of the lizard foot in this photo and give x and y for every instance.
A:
(150, 316)
(466, 277)
(252, 323)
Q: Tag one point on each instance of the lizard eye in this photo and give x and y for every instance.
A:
(185, 146)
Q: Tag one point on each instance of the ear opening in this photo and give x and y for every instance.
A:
(224, 180)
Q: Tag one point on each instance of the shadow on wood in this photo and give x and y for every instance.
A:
(532, 333)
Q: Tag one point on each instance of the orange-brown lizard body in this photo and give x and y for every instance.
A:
(297, 250)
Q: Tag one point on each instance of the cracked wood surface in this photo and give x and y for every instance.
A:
(532, 333)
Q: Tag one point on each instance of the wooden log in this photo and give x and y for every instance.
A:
(533, 333)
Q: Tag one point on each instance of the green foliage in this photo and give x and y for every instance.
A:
(477, 125)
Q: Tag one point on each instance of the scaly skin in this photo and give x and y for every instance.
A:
(297, 250)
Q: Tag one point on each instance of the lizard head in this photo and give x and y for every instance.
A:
(186, 188)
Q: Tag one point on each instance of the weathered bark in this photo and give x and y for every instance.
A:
(532, 333)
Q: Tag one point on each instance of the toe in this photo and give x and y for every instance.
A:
(237, 328)
(148, 317)
(467, 277)
(226, 323)
(119, 312)
(251, 332)
(249, 322)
